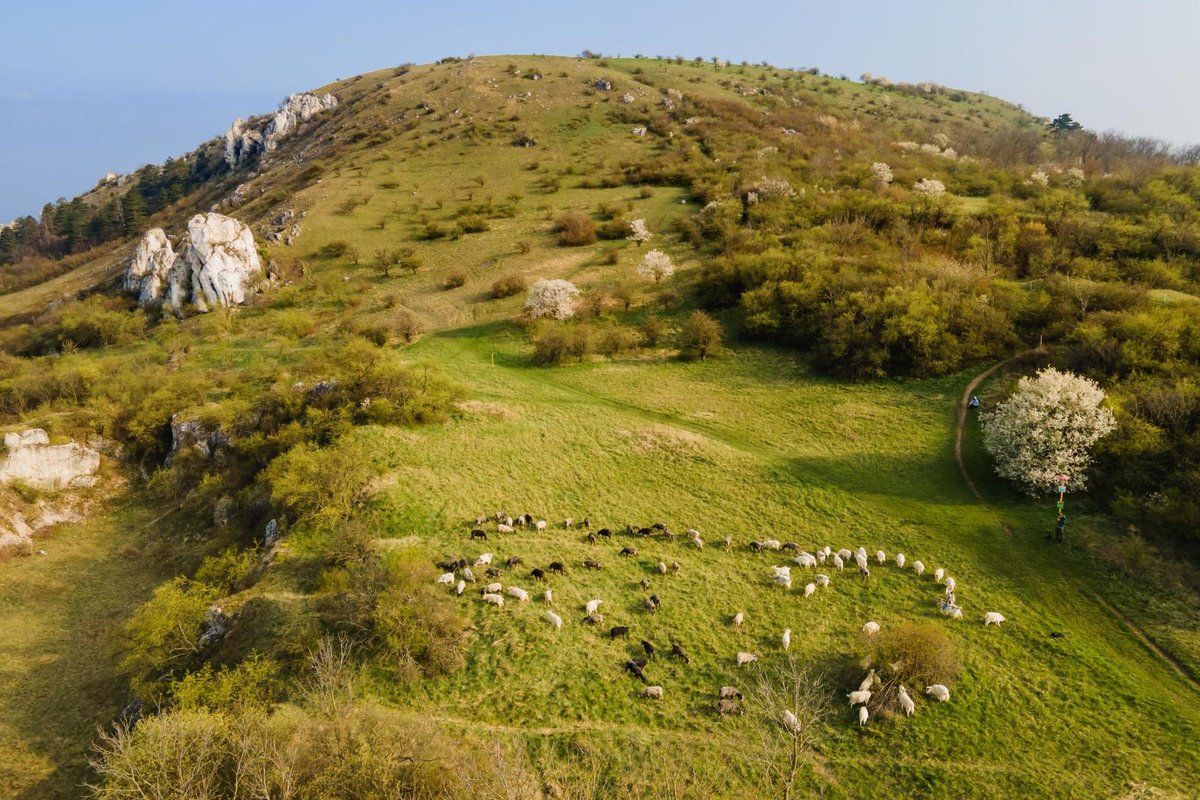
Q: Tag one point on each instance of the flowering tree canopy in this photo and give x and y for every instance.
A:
(552, 298)
(639, 232)
(1047, 428)
(929, 187)
(656, 265)
(882, 172)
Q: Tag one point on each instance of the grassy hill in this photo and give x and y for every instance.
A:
(752, 444)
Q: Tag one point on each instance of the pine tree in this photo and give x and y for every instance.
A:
(133, 210)
(1063, 124)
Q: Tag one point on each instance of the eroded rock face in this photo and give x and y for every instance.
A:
(241, 143)
(32, 460)
(296, 109)
(148, 269)
(222, 259)
(197, 435)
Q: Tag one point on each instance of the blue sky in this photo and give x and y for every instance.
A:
(90, 86)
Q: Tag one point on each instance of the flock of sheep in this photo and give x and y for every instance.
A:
(458, 573)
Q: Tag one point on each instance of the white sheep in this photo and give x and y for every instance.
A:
(828, 551)
(822, 580)
(549, 595)
(880, 556)
(737, 619)
(692, 533)
(871, 628)
(860, 697)
(918, 568)
(787, 638)
(844, 554)
(900, 560)
(592, 605)
(730, 693)
(806, 560)
(992, 618)
(484, 560)
(868, 681)
(784, 580)
(662, 568)
(568, 523)
(493, 588)
(906, 702)
(938, 574)
(863, 714)
(939, 692)
(462, 587)
(446, 578)
(778, 571)
(772, 544)
(494, 599)
(540, 525)
(861, 561)
(504, 528)
(554, 619)
(838, 562)
(790, 722)
(519, 593)
(950, 584)
(468, 575)
(508, 521)
(746, 658)
(698, 542)
(653, 692)
(860, 552)
(821, 556)
(809, 588)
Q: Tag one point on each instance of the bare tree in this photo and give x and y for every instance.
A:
(330, 688)
(791, 702)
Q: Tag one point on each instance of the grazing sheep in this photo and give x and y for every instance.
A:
(950, 585)
(650, 606)
(880, 556)
(737, 619)
(594, 619)
(900, 560)
(785, 580)
(654, 599)
(790, 722)
(492, 572)
(538, 574)
(906, 702)
(554, 619)
(493, 588)
(462, 587)
(591, 538)
(939, 692)
(446, 578)
(844, 554)
(868, 681)
(479, 533)
(513, 561)
(992, 618)
(628, 551)
(787, 638)
(645, 583)
(677, 650)
(698, 542)
(777, 571)
(519, 593)
(519, 521)
(806, 560)
(556, 567)
(938, 574)
(918, 568)
(863, 714)
(549, 597)
(540, 525)
(838, 562)
(727, 707)
(503, 528)
(649, 648)
(755, 546)
(809, 589)
(481, 520)
(662, 568)
(746, 658)
(692, 533)
(660, 526)
(771, 544)
(618, 630)
(605, 532)
(468, 575)
(508, 521)
(568, 523)
(591, 564)
(587, 523)
(864, 573)
(858, 698)
(653, 692)
(592, 605)
(635, 670)
(822, 580)
(675, 568)
(730, 693)
(494, 599)
(728, 542)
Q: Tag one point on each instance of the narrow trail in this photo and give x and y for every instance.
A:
(1133, 628)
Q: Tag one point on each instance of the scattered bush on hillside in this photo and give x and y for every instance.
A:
(653, 331)
(252, 684)
(163, 635)
(455, 279)
(551, 346)
(574, 228)
(509, 285)
(420, 632)
(912, 654)
(339, 249)
(699, 335)
(228, 571)
(656, 265)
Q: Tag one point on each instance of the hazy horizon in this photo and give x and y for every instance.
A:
(77, 73)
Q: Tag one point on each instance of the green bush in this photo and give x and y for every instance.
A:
(164, 633)
(551, 346)
(509, 285)
(254, 683)
(418, 629)
(574, 228)
(455, 279)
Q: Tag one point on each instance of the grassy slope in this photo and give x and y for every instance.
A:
(748, 445)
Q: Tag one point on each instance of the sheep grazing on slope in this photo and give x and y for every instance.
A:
(938, 574)
(662, 568)
(858, 698)
(806, 560)
(779, 571)
(809, 589)
(594, 619)
(493, 588)
(880, 556)
(918, 568)
(592, 605)
(951, 584)
(549, 597)
(504, 528)
(446, 578)
(728, 542)
(568, 523)
(618, 631)
(868, 681)
(860, 552)
(771, 544)
(838, 562)
(730, 693)
(863, 714)
(554, 619)
(871, 628)
(822, 580)
(698, 542)
(844, 554)
(737, 619)
(746, 658)
(635, 669)
(787, 638)
(520, 594)
(675, 568)
(649, 648)
(906, 702)
(645, 584)
(992, 618)
(652, 692)
(939, 692)
(494, 599)
(540, 525)
(783, 580)
(628, 551)
(468, 575)
(481, 520)
(900, 560)
(727, 707)
(589, 563)
(677, 650)
(462, 587)
(479, 533)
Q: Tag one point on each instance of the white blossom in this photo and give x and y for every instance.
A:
(551, 298)
(639, 131)
(1073, 177)
(882, 172)
(929, 187)
(771, 188)
(949, 153)
(1047, 428)
(1039, 178)
(627, 98)
(908, 146)
(656, 265)
(932, 149)
(639, 232)
(941, 140)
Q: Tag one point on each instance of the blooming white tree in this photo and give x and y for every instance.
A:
(882, 172)
(1046, 428)
(551, 298)
(1039, 178)
(656, 265)
(929, 187)
(941, 140)
(1073, 177)
(639, 232)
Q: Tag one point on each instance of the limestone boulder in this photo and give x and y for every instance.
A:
(222, 262)
(147, 271)
(295, 109)
(32, 460)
